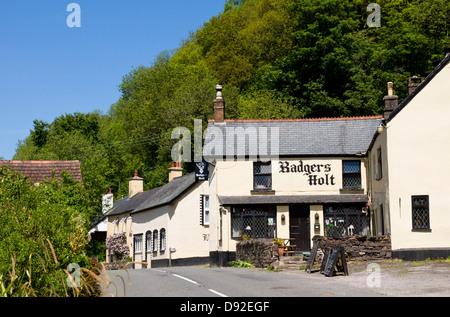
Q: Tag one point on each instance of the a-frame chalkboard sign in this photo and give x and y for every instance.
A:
(312, 256)
(335, 263)
(326, 257)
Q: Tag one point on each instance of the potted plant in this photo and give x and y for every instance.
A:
(280, 246)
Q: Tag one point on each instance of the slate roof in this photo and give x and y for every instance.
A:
(299, 137)
(126, 205)
(157, 197)
(168, 193)
(40, 170)
(292, 199)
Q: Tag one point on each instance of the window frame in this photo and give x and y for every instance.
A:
(379, 164)
(254, 213)
(148, 242)
(135, 244)
(155, 241)
(255, 174)
(426, 228)
(344, 174)
(205, 211)
(162, 239)
(347, 214)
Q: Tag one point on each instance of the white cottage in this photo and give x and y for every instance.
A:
(408, 169)
(165, 225)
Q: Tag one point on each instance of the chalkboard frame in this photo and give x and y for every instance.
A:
(336, 262)
(326, 257)
(312, 257)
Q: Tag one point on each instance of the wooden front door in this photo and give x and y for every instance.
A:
(299, 227)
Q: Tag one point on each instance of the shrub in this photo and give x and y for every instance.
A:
(117, 245)
(43, 229)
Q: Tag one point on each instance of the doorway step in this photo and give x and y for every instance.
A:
(291, 262)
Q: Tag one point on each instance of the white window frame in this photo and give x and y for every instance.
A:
(137, 243)
(162, 239)
(206, 210)
(155, 240)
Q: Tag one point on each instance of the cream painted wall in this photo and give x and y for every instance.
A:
(419, 156)
(319, 176)
(324, 177)
(115, 225)
(313, 210)
(235, 178)
(379, 187)
(181, 221)
(282, 226)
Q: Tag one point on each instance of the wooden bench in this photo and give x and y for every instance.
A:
(289, 249)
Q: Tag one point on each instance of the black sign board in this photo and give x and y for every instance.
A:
(326, 257)
(336, 262)
(201, 171)
(312, 256)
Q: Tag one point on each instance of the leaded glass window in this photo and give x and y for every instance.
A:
(351, 174)
(253, 222)
(345, 220)
(262, 175)
(420, 212)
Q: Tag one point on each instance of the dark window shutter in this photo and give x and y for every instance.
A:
(201, 211)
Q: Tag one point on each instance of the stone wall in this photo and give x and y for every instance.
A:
(359, 247)
(261, 252)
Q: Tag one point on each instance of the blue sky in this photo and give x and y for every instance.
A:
(48, 69)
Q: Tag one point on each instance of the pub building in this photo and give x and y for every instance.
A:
(289, 179)
(371, 176)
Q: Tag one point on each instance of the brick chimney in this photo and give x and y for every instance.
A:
(390, 101)
(136, 185)
(413, 83)
(219, 106)
(175, 171)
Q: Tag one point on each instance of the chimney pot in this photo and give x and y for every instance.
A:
(136, 185)
(390, 88)
(390, 101)
(219, 106)
(413, 83)
(175, 171)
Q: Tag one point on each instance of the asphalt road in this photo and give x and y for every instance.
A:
(229, 282)
(385, 279)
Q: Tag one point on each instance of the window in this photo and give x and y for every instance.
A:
(155, 240)
(262, 175)
(351, 174)
(137, 243)
(148, 241)
(253, 222)
(379, 174)
(123, 224)
(162, 246)
(420, 213)
(205, 210)
(343, 220)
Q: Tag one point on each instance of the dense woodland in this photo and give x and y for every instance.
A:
(275, 58)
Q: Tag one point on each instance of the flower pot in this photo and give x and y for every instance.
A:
(281, 251)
